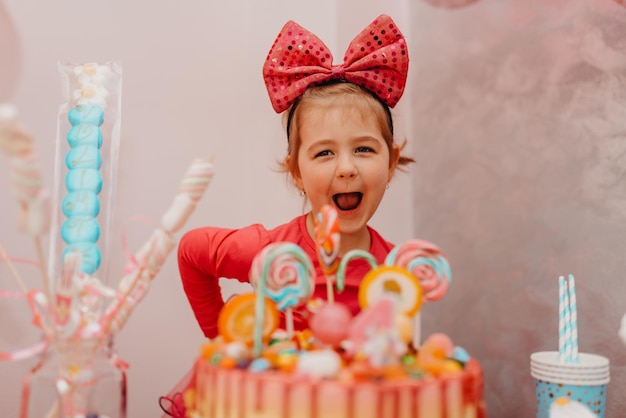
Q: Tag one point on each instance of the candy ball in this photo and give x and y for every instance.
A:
(259, 365)
(461, 355)
(438, 345)
(319, 364)
(331, 323)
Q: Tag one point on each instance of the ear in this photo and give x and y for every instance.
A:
(393, 161)
(295, 173)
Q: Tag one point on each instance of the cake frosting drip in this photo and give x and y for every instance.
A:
(236, 393)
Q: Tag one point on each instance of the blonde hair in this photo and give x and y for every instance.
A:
(337, 94)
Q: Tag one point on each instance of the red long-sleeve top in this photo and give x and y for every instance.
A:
(207, 254)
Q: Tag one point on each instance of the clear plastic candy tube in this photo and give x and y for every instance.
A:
(87, 148)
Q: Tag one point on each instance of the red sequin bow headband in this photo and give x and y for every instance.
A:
(377, 60)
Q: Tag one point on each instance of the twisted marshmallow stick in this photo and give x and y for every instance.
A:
(34, 200)
(153, 254)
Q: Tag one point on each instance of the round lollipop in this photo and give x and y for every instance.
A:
(283, 272)
(394, 281)
(331, 323)
(327, 239)
(427, 263)
(237, 320)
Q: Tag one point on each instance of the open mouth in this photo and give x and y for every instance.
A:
(348, 201)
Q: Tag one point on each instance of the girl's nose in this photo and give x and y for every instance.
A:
(346, 168)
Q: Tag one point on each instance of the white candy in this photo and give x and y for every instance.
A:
(8, 112)
(92, 74)
(91, 94)
(319, 364)
(181, 208)
(236, 350)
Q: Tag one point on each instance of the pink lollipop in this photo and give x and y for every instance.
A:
(283, 272)
(426, 262)
(287, 273)
(327, 239)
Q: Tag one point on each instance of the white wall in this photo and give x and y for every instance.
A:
(192, 86)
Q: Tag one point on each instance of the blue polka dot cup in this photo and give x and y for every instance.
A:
(585, 382)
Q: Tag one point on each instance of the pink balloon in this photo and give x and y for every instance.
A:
(10, 55)
(450, 4)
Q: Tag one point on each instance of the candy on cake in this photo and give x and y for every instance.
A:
(340, 366)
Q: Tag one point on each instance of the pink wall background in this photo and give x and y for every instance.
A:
(520, 134)
(515, 110)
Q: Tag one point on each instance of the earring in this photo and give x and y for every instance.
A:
(387, 186)
(302, 193)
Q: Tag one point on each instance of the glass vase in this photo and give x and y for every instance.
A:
(76, 378)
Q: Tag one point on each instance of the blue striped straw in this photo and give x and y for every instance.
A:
(573, 317)
(562, 320)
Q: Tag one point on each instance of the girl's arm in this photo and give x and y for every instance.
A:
(205, 255)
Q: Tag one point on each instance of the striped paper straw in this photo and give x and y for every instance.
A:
(573, 324)
(564, 350)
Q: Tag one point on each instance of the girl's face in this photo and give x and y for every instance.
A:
(344, 162)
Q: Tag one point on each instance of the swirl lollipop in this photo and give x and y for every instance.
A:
(327, 239)
(284, 273)
(426, 262)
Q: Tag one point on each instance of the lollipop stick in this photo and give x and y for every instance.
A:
(289, 322)
(330, 294)
(417, 330)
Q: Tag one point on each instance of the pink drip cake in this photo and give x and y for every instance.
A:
(370, 365)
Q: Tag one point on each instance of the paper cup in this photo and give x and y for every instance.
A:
(586, 361)
(585, 381)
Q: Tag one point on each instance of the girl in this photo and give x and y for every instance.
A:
(341, 152)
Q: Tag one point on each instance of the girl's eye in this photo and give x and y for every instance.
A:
(322, 153)
(364, 149)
